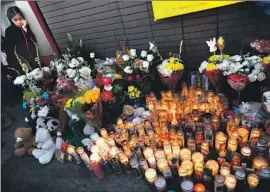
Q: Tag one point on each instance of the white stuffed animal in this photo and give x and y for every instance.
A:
(45, 146)
(212, 45)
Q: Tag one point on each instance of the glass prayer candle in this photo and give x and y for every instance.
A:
(243, 134)
(181, 138)
(225, 169)
(198, 137)
(222, 156)
(230, 182)
(151, 175)
(94, 136)
(135, 165)
(236, 159)
(94, 149)
(208, 133)
(221, 140)
(191, 144)
(187, 186)
(205, 148)
(199, 187)
(182, 171)
(219, 183)
(175, 148)
(197, 157)
(148, 152)
(159, 154)
(152, 162)
(213, 165)
(126, 147)
(188, 165)
(195, 114)
(253, 180)
(120, 123)
(104, 133)
(259, 163)
(110, 141)
(167, 148)
(94, 162)
(143, 165)
(246, 152)
(185, 154)
(84, 157)
(215, 122)
(254, 136)
(198, 169)
(160, 184)
(162, 164)
(124, 161)
(232, 144)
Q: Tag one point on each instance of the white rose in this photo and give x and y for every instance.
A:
(108, 87)
(252, 78)
(150, 57)
(145, 64)
(44, 111)
(71, 73)
(80, 59)
(92, 55)
(125, 57)
(47, 69)
(143, 53)
(128, 70)
(74, 63)
(132, 52)
(20, 80)
(37, 74)
(59, 68)
(85, 72)
(76, 79)
(261, 76)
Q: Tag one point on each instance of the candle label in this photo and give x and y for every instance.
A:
(220, 188)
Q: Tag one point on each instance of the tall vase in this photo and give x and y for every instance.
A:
(216, 77)
(238, 83)
(172, 81)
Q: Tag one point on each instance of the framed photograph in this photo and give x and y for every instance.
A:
(195, 77)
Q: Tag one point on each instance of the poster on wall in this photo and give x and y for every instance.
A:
(165, 9)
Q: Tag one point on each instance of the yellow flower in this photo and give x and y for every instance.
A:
(171, 60)
(226, 56)
(213, 58)
(92, 95)
(266, 60)
(210, 67)
(174, 66)
(68, 103)
(131, 88)
(82, 100)
(138, 94)
(132, 94)
(118, 76)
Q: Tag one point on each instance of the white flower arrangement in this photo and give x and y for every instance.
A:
(266, 98)
(163, 70)
(43, 111)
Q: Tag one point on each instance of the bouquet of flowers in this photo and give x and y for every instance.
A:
(266, 102)
(33, 80)
(87, 105)
(133, 92)
(132, 64)
(212, 67)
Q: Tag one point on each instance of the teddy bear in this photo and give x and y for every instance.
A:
(128, 111)
(45, 146)
(24, 141)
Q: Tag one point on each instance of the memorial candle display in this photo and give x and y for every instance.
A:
(259, 162)
(71, 150)
(230, 182)
(220, 141)
(151, 175)
(94, 162)
(213, 165)
(253, 180)
(225, 169)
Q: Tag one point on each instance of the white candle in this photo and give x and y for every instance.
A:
(151, 175)
(152, 162)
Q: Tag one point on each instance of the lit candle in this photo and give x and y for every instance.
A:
(230, 182)
(182, 171)
(191, 144)
(189, 166)
(152, 162)
(160, 184)
(159, 154)
(253, 180)
(197, 157)
(198, 168)
(94, 162)
(246, 151)
(220, 142)
(185, 154)
(213, 165)
(254, 136)
(94, 149)
(114, 161)
(124, 160)
(135, 165)
(243, 134)
(175, 148)
(148, 152)
(167, 148)
(151, 175)
(236, 159)
(104, 133)
(84, 157)
(94, 136)
(225, 169)
(205, 148)
(143, 165)
(111, 141)
(71, 151)
(232, 144)
(259, 163)
(199, 187)
(162, 164)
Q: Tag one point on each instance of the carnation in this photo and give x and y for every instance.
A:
(252, 77)
(128, 70)
(145, 64)
(59, 68)
(20, 80)
(125, 57)
(85, 72)
(132, 52)
(43, 111)
(261, 76)
(74, 63)
(143, 54)
(37, 74)
(150, 58)
(108, 87)
(80, 59)
(71, 73)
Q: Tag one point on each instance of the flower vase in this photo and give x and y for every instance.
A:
(238, 83)
(172, 80)
(216, 77)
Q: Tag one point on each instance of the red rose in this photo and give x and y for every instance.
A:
(106, 96)
(107, 81)
(137, 76)
(238, 78)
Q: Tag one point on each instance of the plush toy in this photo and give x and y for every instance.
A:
(45, 146)
(50, 123)
(128, 111)
(138, 111)
(24, 141)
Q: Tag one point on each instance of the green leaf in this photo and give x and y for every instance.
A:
(117, 88)
(28, 95)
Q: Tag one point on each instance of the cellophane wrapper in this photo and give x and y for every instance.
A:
(263, 46)
(216, 77)
(172, 80)
(66, 85)
(237, 84)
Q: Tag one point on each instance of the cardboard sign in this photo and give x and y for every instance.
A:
(165, 9)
